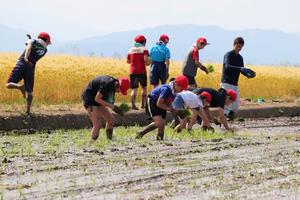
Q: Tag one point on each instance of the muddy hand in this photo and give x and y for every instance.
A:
(117, 110)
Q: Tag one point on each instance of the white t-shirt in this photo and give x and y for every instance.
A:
(191, 100)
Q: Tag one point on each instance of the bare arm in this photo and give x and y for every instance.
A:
(28, 51)
(99, 100)
(161, 104)
(223, 119)
(202, 67)
(147, 60)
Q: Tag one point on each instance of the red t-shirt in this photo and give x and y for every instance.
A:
(137, 62)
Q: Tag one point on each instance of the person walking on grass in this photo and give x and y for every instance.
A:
(219, 99)
(98, 97)
(138, 58)
(25, 67)
(160, 58)
(233, 65)
(189, 100)
(159, 101)
(191, 62)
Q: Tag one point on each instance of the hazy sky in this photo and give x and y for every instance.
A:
(76, 19)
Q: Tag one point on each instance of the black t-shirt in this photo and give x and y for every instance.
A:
(37, 52)
(102, 84)
(232, 67)
(217, 98)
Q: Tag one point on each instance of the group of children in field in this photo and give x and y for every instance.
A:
(179, 94)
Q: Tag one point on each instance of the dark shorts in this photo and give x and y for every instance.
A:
(158, 72)
(136, 79)
(87, 102)
(191, 79)
(23, 71)
(152, 110)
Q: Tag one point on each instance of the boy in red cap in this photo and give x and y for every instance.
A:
(159, 101)
(25, 67)
(138, 58)
(160, 61)
(98, 96)
(219, 99)
(191, 63)
(196, 104)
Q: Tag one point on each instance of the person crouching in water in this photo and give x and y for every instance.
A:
(159, 101)
(98, 96)
(195, 103)
(219, 99)
(25, 67)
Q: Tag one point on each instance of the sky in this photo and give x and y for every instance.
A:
(78, 19)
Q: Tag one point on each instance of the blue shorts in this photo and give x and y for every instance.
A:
(23, 71)
(158, 72)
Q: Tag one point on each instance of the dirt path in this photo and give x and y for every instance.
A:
(263, 166)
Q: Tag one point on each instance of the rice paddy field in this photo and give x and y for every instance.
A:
(256, 162)
(60, 79)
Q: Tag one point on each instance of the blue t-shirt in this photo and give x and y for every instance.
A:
(37, 52)
(163, 91)
(232, 65)
(159, 52)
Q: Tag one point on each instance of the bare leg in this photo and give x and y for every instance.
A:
(146, 130)
(144, 96)
(17, 86)
(110, 120)
(94, 115)
(133, 99)
(29, 102)
(160, 124)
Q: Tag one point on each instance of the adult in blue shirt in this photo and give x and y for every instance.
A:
(233, 65)
(160, 57)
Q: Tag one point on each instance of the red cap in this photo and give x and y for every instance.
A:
(124, 84)
(45, 36)
(182, 81)
(140, 38)
(206, 95)
(202, 40)
(232, 94)
(164, 37)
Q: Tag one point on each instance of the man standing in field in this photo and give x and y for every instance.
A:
(159, 101)
(25, 67)
(98, 96)
(138, 58)
(233, 65)
(160, 57)
(191, 63)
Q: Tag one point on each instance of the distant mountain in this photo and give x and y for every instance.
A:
(261, 46)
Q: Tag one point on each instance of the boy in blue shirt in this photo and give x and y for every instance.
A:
(160, 57)
(159, 101)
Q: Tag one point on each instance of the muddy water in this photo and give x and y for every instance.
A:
(264, 165)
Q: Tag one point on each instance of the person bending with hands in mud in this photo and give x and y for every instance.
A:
(98, 96)
(195, 103)
(219, 99)
(159, 101)
(25, 67)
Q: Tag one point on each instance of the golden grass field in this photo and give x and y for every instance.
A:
(60, 79)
